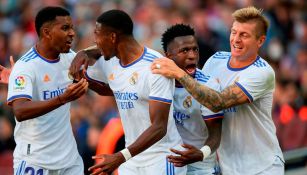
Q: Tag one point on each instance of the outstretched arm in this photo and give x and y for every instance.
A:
(5, 72)
(215, 101)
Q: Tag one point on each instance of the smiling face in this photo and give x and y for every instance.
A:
(105, 40)
(244, 43)
(185, 53)
(60, 33)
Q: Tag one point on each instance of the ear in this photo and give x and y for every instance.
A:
(46, 32)
(261, 40)
(113, 37)
(168, 55)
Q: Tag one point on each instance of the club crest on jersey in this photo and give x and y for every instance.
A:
(134, 78)
(111, 77)
(187, 103)
(20, 83)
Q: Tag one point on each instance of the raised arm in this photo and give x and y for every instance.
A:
(25, 109)
(5, 72)
(215, 101)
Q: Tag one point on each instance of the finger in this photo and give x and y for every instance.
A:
(179, 164)
(98, 156)
(97, 172)
(12, 62)
(99, 165)
(187, 146)
(2, 68)
(177, 151)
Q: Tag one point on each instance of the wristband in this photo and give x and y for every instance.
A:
(206, 151)
(126, 153)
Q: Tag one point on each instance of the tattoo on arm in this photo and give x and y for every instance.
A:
(215, 101)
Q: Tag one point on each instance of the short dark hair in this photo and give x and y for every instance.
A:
(175, 31)
(48, 14)
(118, 20)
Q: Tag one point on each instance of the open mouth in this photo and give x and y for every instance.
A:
(190, 69)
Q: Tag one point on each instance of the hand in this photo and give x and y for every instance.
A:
(109, 163)
(5, 72)
(167, 68)
(74, 91)
(80, 59)
(188, 156)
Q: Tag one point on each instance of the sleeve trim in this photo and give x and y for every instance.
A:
(249, 96)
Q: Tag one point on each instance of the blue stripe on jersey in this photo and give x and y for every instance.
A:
(160, 99)
(19, 96)
(259, 63)
(28, 55)
(20, 168)
(218, 115)
(150, 57)
(91, 79)
(134, 62)
(245, 91)
(221, 55)
(199, 76)
(242, 68)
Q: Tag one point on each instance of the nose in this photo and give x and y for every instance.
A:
(236, 38)
(71, 32)
(192, 54)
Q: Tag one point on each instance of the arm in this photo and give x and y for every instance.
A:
(84, 57)
(193, 154)
(25, 109)
(215, 101)
(159, 117)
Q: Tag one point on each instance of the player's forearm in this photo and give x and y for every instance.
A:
(93, 52)
(149, 137)
(25, 110)
(214, 129)
(203, 94)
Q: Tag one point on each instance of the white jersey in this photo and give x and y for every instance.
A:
(134, 86)
(249, 144)
(46, 141)
(189, 114)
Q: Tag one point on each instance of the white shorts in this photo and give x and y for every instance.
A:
(277, 168)
(203, 168)
(161, 168)
(25, 168)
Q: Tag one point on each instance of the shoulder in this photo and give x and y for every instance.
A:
(201, 77)
(150, 54)
(261, 67)
(221, 55)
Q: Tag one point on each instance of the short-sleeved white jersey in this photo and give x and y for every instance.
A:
(134, 86)
(46, 141)
(189, 114)
(249, 143)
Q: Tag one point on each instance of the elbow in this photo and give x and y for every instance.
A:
(161, 131)
(19, 115)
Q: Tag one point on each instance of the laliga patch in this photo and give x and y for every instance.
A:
(19, 83)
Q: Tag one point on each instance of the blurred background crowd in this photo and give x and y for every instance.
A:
(285, 49)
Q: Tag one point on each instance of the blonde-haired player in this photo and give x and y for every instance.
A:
(249, 144)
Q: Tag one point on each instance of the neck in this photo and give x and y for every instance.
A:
(236, 62)
(45, 51)
(129, 50)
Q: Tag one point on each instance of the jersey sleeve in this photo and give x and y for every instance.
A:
(97, 71)
(257, 83)
(161, 88)
(206, 113)
(20, 83)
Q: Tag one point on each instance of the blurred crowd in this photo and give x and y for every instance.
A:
(285, 49)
